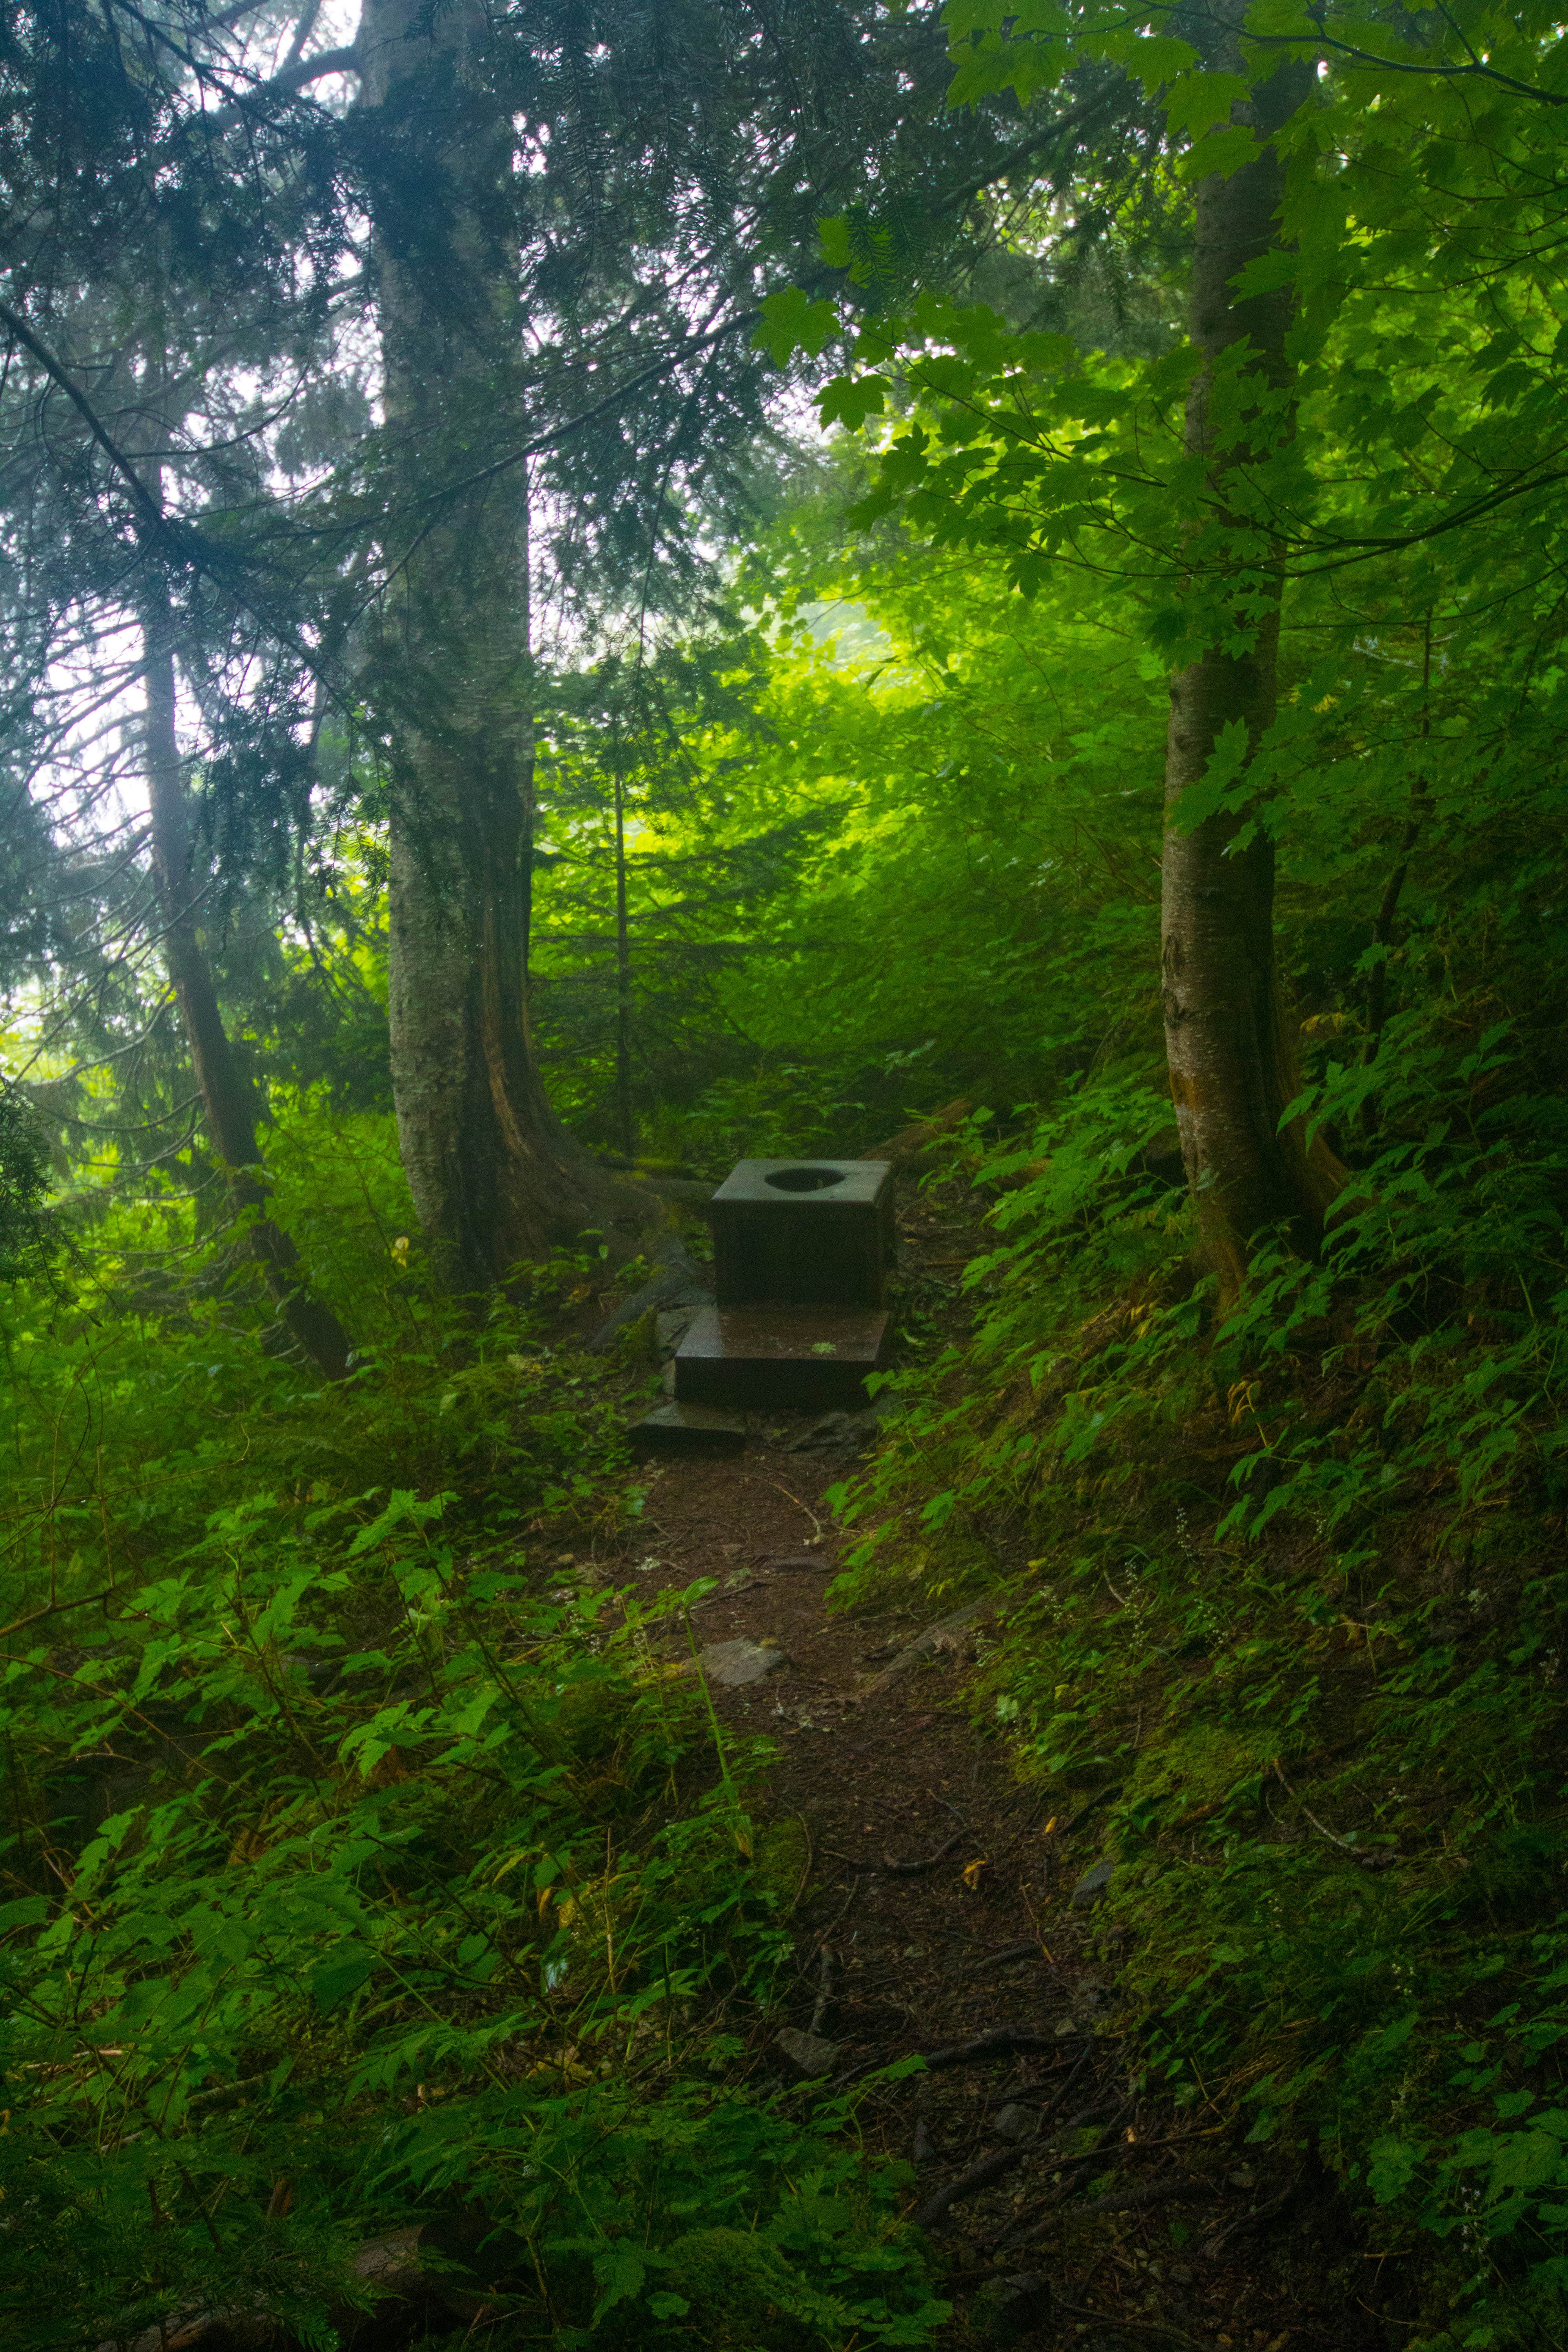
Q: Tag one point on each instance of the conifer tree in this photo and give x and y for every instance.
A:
(594, 310)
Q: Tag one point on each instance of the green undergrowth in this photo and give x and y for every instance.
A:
(368, 1866)
(1282, 1622)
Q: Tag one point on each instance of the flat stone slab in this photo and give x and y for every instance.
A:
(810, 2052)
(811, 1356)
(687, 1429)
(732, 1665)
(1007, 2309)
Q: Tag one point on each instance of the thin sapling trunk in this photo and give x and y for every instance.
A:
(622, 984)
(227, 1103)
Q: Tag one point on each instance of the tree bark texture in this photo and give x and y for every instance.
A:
(227, 1103)
(495, 1177)
(1382, 925)
(1229, 1041)
(624, 1119)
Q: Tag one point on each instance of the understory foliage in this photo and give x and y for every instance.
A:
(1284, 1587)
(1287, 1622)
(367, 1875)
(358, 1878)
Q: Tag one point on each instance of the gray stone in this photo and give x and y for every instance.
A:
(1015, 2125)
(836, 1433)
(677, 1281)
(1007, 2309)
(732, 1665)
(810, 2052)
(672, 1325)
(1092, 1885)
(687, 1429)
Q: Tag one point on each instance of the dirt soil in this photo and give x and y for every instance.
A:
(944, 1901)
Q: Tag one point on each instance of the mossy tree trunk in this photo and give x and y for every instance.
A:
(496, 1178)
(1228, 1039)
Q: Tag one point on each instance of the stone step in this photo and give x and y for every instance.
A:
(816, 1357)
(677, 1428)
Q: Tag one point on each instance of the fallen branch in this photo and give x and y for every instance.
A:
(1059, 2096)
(823, 1992)
(817, 1528)
(885, 1869)
(924, 1644)
(1139, 2326)
(1249, 2221)
(1347, 1845)
(911, 1141)
(1009, 1952)
(985, 2169)
(1153, 2192)
(914, 1869)
(1073, 2169)
(997, 2041)
(973, 2177)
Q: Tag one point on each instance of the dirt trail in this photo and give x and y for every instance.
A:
(937, 1905)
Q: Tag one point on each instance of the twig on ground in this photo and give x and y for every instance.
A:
(801, 1883)
(885, 1869)
(1028, 1950)
(1139, 2326)
(811, 1515)
(1076, 2170)
(924, 1644)
(1074, 2070)
(996, 2042)
(979, 2175)
(974, 2177)
(824, 1990)
(1334, 1836)
(1152, 2192)
(1248, 2220)
(843, 1907)
(914, 1869)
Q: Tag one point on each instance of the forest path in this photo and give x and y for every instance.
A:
(937, 1906)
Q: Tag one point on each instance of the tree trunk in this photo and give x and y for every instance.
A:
(227, 1100)
(627, 1131)
(495, 1177)
(1382, 924)
(1228, 1042)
